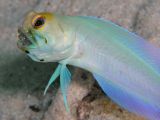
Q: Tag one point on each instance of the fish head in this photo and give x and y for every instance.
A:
(43, 38)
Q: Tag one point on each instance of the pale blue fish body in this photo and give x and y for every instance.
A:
(125, 65)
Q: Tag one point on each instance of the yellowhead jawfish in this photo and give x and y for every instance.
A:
(126, 66)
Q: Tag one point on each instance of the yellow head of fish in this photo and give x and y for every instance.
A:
(44, 38)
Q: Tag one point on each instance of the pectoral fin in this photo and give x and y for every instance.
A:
(65, 78)
(53, 77)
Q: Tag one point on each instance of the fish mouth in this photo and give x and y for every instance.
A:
(24, 41)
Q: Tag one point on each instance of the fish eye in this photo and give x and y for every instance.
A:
(38, 22)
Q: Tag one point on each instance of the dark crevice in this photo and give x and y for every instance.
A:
(84, 76)
(95, 93)
(35, 108)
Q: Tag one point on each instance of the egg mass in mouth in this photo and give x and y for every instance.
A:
(23, 41)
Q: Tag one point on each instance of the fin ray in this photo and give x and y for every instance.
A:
(53, 77)
(65, 77)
